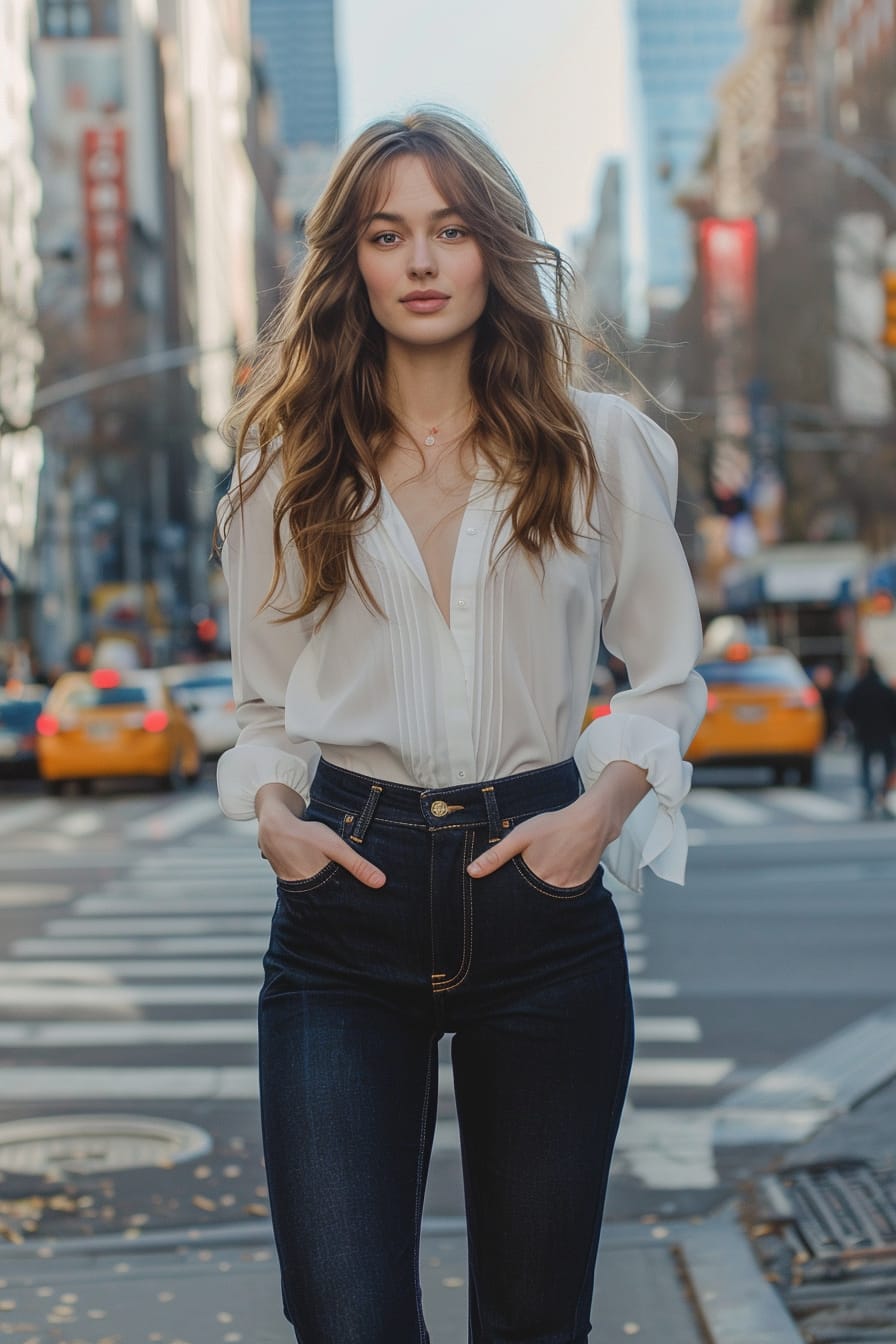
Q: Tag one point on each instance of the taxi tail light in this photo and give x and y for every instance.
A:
(810, 697)
(47, 725)
(599, 712)
(712, 703)
(156, 721)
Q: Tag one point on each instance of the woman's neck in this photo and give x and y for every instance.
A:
(427, 386)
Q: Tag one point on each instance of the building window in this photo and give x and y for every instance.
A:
(78, 18)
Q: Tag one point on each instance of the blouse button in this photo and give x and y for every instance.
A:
(461, 602)
(471, 531)
(461, 774)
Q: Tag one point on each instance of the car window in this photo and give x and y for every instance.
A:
(95, 697)
(19, 714)
(771, 671)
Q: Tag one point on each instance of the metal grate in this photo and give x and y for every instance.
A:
(839, 1209)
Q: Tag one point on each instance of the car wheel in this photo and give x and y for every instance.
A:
(779, 774)
(175, 778)
(54, 787)
(806, 772)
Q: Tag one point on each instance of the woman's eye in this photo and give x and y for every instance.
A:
(455, 231)
(386, 238)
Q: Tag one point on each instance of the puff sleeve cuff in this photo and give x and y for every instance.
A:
(654, 835)
(243, 770)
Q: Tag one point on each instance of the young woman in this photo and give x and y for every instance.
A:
(427, 533)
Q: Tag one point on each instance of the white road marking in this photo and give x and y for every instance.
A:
(23, 1083)
(86, 821)
(26, 893)
(678, 1030)
(111, 972)
(666, 1149)
(167, 926)
(680, 1072)
(139, 902)
(84, 1035)
(636, 942)
(65, 948)
(654, 989)
(814, 806)
(630, 922)
(38, 1000)
(18, 816)
(174, 820)
(726, 807)
(637, 965)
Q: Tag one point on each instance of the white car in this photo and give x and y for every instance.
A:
(205, 692)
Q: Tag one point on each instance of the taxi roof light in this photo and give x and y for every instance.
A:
(738, 652)
(105, 678)
(155, 721)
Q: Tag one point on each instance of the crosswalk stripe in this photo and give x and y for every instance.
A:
(171, 925)
(87, 821)
(179, 817)
(677, 1030)
(188, 904)
(680, 1072)
(20, 815)
(38, 999)
(31, 1083)
(83, 1035)
(654, 989)
(805, 803)
(726, 807)
(64, 948)
(108, 972)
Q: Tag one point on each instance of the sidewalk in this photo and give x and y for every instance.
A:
(220, 1287)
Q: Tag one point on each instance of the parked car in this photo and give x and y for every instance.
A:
(205, 692)
(762, 710)
(19, 709)
(603, 688)
(114, 723)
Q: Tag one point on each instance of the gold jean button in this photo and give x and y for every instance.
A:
(439, 808)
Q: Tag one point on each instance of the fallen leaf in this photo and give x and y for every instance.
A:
(256, 1210)
(203, 1202)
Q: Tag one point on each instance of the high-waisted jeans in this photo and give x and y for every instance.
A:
(360, 984)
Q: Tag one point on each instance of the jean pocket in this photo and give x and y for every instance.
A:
(557, 893)
(294, 885)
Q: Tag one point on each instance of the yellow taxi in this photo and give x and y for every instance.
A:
(110, 723)
(762, 710)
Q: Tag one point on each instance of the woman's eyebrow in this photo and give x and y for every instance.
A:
(400, 219)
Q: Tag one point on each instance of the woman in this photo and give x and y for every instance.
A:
(427, 532)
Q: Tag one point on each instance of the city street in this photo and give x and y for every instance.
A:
(132, 932)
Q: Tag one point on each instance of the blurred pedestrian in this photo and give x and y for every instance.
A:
(822, 675)
(870, 705)
(420, 551)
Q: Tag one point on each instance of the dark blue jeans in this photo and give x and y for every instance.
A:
(360, 985)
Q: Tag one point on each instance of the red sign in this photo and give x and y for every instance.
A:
(105, 215)
(728, 271)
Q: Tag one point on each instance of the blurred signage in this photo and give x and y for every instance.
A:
(728, 269)
(105, 209)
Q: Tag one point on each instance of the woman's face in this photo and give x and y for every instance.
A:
(424, 272)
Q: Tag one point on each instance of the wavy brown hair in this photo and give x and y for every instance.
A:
(316, 394)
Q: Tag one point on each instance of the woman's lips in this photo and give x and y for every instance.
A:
(424, 305)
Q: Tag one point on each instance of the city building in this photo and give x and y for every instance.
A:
(295, 43)
(148, 120)
(21, 442)
(679, 49)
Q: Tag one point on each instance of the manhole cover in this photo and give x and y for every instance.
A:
(77, 1145)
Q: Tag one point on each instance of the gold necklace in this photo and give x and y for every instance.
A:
(430, 439)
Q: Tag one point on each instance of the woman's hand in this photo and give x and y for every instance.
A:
(563, 848)
(297, 849)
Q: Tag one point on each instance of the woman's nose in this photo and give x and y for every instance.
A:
(422, 259)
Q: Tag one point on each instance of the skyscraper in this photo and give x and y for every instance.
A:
(681, 48)
(297, 46)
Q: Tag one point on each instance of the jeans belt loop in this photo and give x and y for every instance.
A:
(491, 807)
(366, 816)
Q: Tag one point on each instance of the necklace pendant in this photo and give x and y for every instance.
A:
(431, 438)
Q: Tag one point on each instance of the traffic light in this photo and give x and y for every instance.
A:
(889, 332)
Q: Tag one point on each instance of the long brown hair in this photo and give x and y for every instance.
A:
(316, 393)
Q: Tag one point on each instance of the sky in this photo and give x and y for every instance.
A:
(544, 79)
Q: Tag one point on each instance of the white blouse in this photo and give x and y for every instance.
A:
(504, 687)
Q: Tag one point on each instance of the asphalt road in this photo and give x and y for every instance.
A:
(130, 942)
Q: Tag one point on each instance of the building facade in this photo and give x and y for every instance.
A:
(680, 48)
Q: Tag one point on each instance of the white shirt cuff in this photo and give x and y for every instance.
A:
(655, 834)
(243, 769)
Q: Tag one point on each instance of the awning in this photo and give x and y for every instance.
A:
(798, 573)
